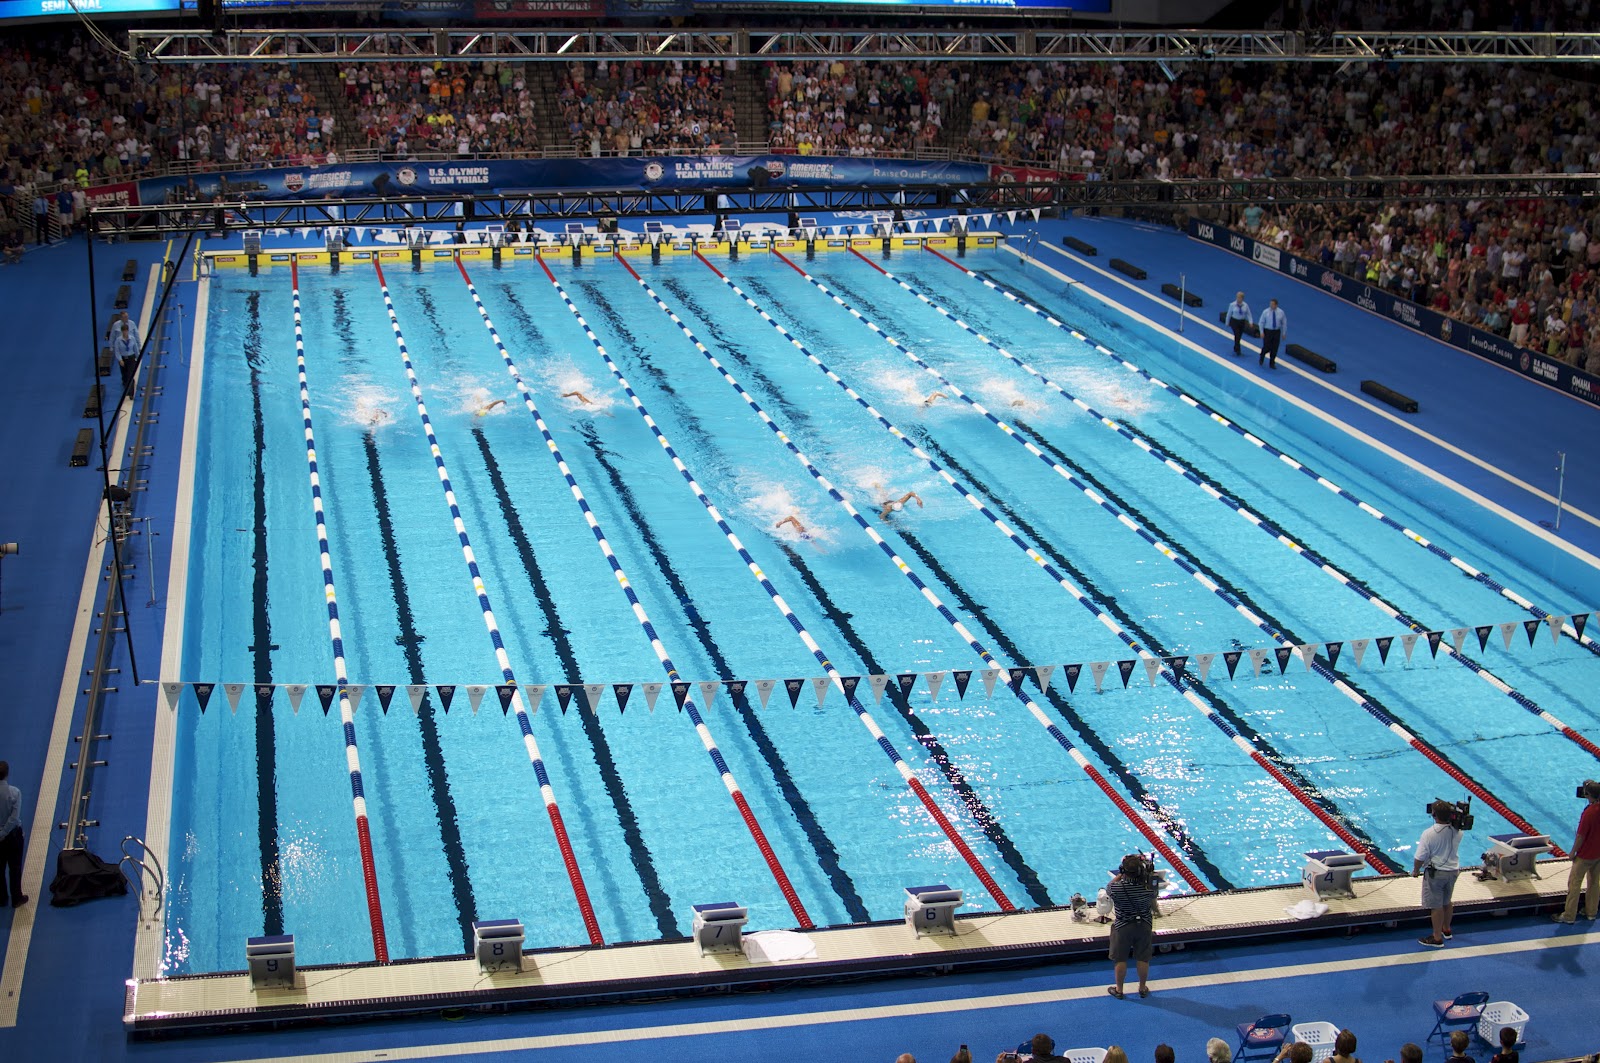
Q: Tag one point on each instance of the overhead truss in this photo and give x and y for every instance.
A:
(540, 207)
(563, 45)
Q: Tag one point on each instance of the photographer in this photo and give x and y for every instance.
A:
(1438, 858)
(1585, 857)
(1133, 892)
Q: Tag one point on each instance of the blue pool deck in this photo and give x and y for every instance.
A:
(62, 987)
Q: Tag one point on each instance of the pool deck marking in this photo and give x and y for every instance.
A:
(436, 976)
(1588, 642)
(1329, 418)
(42, 829)
(1374, 856)
(1356, 586)
(1200, 571)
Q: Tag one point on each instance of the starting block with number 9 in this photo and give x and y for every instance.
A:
(271, 961)
(719, 927)
(498, 944)
(932, 909)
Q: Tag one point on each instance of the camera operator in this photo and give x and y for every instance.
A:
(1438, 858)
(1585, 857)
(1133, 893)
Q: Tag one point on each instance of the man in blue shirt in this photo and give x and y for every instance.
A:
(10, 841)
(1238, 317)
(1273, 325)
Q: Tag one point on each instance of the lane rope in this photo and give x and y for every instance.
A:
(637, 607)
(1217, 493)
(546, 791)
(1208, 579)
(347, 716)
(1014, 685)
(1375, 857)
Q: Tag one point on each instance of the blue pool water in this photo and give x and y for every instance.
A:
(264, 836)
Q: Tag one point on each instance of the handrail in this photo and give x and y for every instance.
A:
(154, 872)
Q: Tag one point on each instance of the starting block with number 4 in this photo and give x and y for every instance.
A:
(1327, 873)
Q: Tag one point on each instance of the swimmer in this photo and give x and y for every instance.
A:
(932, 398)
(483, 411)
(798, 527)
(377, 417)
(892, 505)
(580, 396)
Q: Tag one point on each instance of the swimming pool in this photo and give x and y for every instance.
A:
(263, 834)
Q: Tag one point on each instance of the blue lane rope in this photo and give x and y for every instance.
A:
(347, 716)
(704, 732)
(1137, 821)
(546, 791)
(1209, 580)
(1179, 683)
(1216, 492)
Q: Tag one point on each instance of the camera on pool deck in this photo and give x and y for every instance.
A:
(1588, 789)
(1457, 814)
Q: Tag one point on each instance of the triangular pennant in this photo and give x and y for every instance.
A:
(1073, 671)
(962, 679)
(1308, 653)
(680, 694)
(1434, 638)
(386, 695)
(1152, 667)
(1383, 648)
(325, 693)
(592, 693)
(906, 682)
(1125, 669)
(264, 693)
(447, 693)
(297, 691)
(1098, 670)
(1532, 628)
(820, 686)
(708, 692)
(622, 691)
(793, 687)
(1257, 659)
(934, 680)
(1482, 631)
(475, 693)
(1179, 665)
(1579, 622)
(172, 690)
(990, 677)
(1202, 661)
(1042, 675)
(1458, 635)
(736, 688)
(202, 694)
(1283, 653)
(764, 689)
(1334, 649)
(848, 684)
(1231, 659)
(533, 694)
(504, 691)
(416, 692)
(1505, 632)
(1555, 628)
(564, 692)
(353, 691)
(878, 683)
(651, 692)
(1014, 678)
(232, 692)
(1359, 648)
(1409, 642)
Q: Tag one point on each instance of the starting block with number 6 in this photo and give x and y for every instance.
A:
(932, 909)
(498, 944)
(719, 927)
(271, 961)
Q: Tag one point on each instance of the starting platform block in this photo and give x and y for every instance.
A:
(931, 910)
(1512, 856)
(1327, 873)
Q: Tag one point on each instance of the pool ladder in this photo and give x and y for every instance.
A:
(149, 866)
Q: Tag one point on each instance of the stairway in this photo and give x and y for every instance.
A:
(750, 106)
(324, 82)
(542, 81)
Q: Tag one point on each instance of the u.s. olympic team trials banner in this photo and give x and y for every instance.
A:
(1476, 341)
(487, 177)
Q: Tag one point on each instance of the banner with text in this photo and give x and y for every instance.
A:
(1476, 341)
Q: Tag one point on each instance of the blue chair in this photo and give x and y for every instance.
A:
(1465, 1010)
(1267, 1032)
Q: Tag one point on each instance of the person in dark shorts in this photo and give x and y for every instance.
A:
(1133, 892)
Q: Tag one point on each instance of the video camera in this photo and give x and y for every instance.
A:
(1583, 789)
(1458, 813)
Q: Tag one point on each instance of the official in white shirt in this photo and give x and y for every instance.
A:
(1274, 323)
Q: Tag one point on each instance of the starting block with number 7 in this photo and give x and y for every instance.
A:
(719, 927)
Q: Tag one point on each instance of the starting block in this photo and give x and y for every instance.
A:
(271, 961)
(932, 909)
(719, 927)
(498, 944)
(1512, 856)
(1327, 873)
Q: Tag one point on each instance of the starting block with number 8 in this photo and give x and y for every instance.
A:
(498, 944)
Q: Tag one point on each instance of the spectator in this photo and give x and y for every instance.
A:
(1165, 1054)
(1344, 1048)
(1044, 1049)
(963, 1055)
(1294, 1052)
(1116, 1054)
(1459, 1040)
(1508, 1047)
(905, 1057)
(1217, 1051)
(1409, 1053)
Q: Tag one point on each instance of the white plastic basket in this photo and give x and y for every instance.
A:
(1319, 1035)
(1085, 1055)
(1500, 1015)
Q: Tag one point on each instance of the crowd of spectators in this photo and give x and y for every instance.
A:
(463, 109)
(634, 108)
(830, 107)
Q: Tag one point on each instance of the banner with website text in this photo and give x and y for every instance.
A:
(1476, 341)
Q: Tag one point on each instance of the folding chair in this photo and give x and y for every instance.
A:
(1267, 1032)
(1464, 1011)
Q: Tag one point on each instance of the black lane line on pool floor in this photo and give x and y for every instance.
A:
(827, 855)
(1220, 705)
(266, 727)
(605, 760)
(444, 802)
(976, 808)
